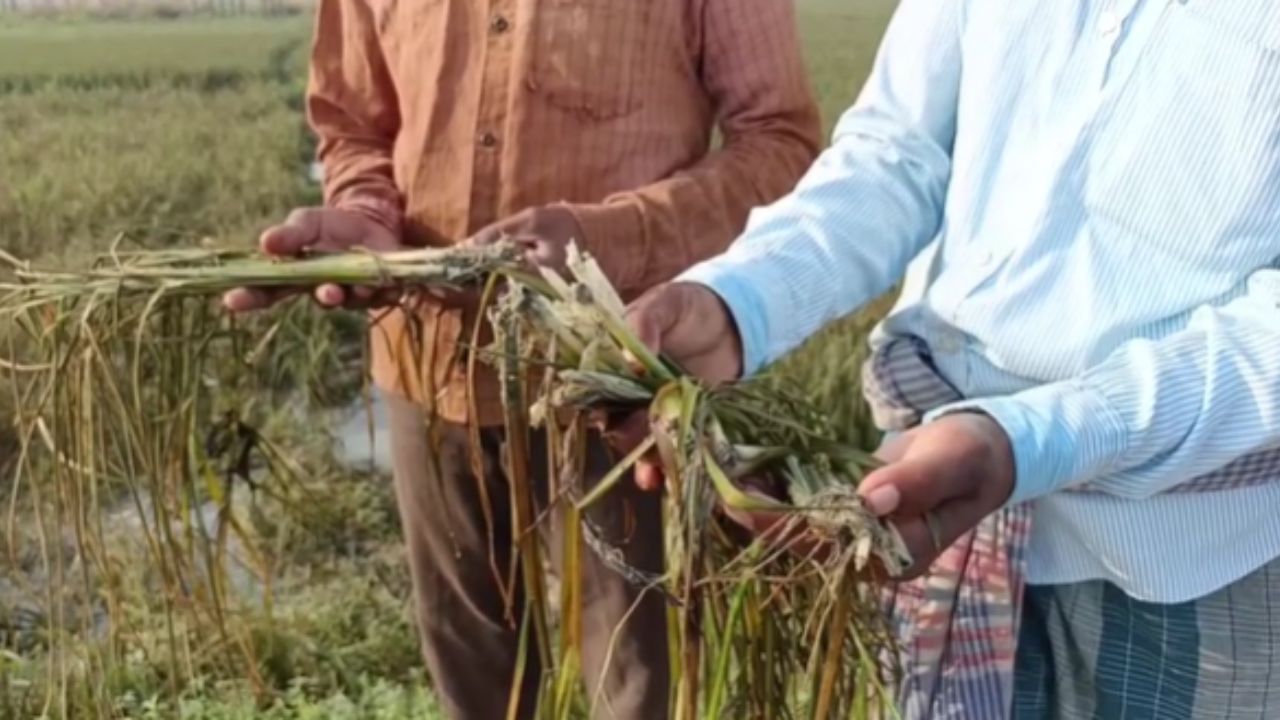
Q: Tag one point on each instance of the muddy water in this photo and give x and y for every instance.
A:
(356, 446)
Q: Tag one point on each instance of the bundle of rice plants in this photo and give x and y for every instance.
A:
(117, 392)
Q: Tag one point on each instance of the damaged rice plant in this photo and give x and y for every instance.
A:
(117, 393)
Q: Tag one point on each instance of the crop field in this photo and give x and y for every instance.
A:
(169, 131)
(207, 54)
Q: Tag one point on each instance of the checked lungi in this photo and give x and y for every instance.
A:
(978, 644)
(1087, 650)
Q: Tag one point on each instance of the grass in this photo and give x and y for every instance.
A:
(840, 39)
(99, 162)
(204, 53)
(116, 416)
(184, 128)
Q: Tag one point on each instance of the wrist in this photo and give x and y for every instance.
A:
(609, 232)
(383, 211)
(733, 336)
(743, 308)
(559, 225)
(1002, 466)
(1061, 434)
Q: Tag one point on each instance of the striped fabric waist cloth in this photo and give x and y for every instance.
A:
(958, 623)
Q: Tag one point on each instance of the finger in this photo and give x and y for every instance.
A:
(540, 254)
(881, 496)
(954, 521)
(385, 297)
(357, 297)
(488, 235)
(243, 300)
(626, 431)
(781, 531)
(302, 230)
(911, 487)
(454, 298)
(919, 540)
(649, 476)
(915, 536)
(652, 316)
(882, 500)
(329, 295)
(376, 297)
(771, 527)
(535, 251)
(364, 297)
(603, 422)
(893, 448)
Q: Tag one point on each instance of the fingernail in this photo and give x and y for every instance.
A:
(883, 500)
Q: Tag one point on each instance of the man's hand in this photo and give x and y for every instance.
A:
(692, 326)
(320, 230)
(957, 470)
(544, 233)
(951, 474)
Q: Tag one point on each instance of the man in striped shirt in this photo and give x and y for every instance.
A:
(1083, 372)
(547, 120)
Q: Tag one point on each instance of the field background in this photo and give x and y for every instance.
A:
(142, 119)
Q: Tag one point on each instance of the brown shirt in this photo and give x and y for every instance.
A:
(438, 117)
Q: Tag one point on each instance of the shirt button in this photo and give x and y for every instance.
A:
(488, 139)
(499, 25)
(1108, 23)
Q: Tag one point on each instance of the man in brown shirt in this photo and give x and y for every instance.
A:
(548, 120)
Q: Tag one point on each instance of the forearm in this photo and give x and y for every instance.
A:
(752, 69)
(359, 178)
(841, 239)
(353, 110)
(648, 236)
(873, 200)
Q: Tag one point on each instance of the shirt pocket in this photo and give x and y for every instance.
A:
(588, 54)
(1187, 155)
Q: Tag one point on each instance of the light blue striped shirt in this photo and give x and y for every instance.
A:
(1090, 192)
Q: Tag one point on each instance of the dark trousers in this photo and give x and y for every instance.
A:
(468, 642)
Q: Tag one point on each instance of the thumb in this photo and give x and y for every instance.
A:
(905, 488)
(879, 490)
(300, 231)
(653, 316)
(492, 233)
